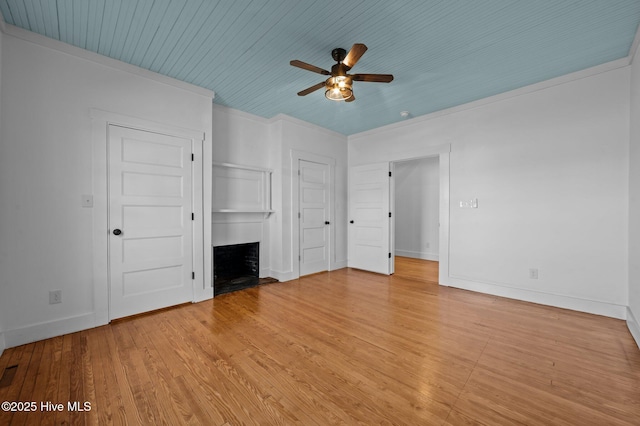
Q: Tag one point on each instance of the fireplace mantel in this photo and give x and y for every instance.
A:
(241, 189)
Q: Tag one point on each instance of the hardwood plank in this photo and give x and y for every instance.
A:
(343, 347)
(28, 391)
(416, 269)
(19, 357)
(63, 380)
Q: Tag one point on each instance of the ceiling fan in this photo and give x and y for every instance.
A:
(339, 86)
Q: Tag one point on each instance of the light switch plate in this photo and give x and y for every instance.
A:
(469, 204)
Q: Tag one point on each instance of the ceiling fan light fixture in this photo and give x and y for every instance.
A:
(338, 88)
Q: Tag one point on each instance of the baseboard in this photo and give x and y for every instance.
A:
(206, 294)
(283, 276)
(339, 265)
(559, 301)
(264, 272)
(634, 326)
(418, 255)
(33, 333)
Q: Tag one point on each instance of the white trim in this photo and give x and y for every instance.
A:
(567, 78)
(296, 156)
(46, 330)
(3, 345)
(634, 47)
(144, 124)
(311, 126)
(556, 300)
(238, 166)
(634, 326)
(100, 121)
(417, 254)
(241, 114)
(443, 217)
(68, 49)
(392, 222)
(340, 264)
(3, 29)
(277, 118)
(201, 291)
(283, 276)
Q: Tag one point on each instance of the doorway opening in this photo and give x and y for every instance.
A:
(415, 229)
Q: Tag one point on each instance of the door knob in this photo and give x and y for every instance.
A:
(117, 232)
(350, 221)
(326, 222)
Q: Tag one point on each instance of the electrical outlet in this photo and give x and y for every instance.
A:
(87, 200)
(55, 296)
(533, 273)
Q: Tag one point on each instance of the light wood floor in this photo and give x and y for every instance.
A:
(346, 347)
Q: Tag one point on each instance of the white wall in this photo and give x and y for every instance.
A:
(240, 138)
(46, 163)
(247, 140)
(549, 168)
(417, 192)
(633, 315)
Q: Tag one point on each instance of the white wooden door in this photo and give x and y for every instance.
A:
(369, 242)
(314, 217)
(150, 221)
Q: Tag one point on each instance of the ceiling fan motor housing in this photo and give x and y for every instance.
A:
(338, 54)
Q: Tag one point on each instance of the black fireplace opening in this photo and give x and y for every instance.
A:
(235, 267)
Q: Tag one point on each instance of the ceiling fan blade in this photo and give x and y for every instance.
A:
(311, 89)
(357, 50)
(309, 67)
(373, 78)
(351, 99)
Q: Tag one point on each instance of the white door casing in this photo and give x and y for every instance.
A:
(314, 216)
(150, 202)
(369, 210)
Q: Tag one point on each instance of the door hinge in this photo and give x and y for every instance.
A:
(389, 255)
(299, 258)
(299, 215)
(193, 157)
(298, 172)
(389, 214)
(389, 174)
(193, 275)
(193, 216)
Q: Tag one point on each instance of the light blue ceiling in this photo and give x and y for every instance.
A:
(442, 52)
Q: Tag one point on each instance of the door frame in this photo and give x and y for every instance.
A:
(443, 154)
(296, 156)
(100, 121)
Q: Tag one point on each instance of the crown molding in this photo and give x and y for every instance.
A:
(310, 126)
(634, 47)
(40, 40)
(532, 88)
(2, 24)
(239, 113)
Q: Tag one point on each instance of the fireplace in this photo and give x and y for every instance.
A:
(235, 267)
